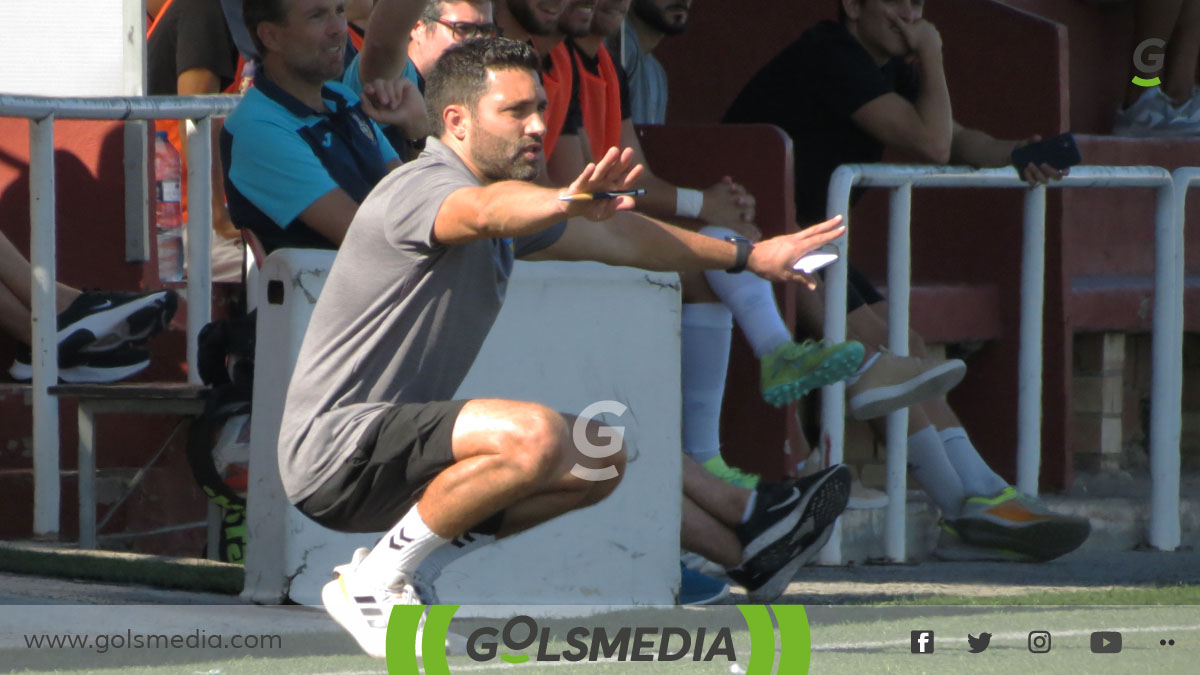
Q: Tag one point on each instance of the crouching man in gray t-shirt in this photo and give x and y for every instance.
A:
(369, 441)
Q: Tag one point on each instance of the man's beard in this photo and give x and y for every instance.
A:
(499, 160)
(657, 19)
(523, 13)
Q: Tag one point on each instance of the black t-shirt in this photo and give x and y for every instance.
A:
(191, 34)
(592, 65)
(810, 91)
(574, 120)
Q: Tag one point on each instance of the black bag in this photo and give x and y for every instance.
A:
(218, 441)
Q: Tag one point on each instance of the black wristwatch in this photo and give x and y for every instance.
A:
(743, 253)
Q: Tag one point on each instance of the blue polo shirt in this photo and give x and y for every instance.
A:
(280, 156)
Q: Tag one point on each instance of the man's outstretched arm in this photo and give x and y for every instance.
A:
(515, 208)
(633, 240)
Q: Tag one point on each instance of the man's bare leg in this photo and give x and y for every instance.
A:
(513, 457)
(704, 534)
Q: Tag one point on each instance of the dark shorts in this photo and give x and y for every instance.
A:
(403, 449)
(859, 289)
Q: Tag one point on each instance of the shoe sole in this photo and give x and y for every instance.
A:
(129, 323)
(712, 600)
(834, 369)
(932, 383)
(826, 501)
(341, 607)
(778, 582)
(1042, 541)
(81, 374)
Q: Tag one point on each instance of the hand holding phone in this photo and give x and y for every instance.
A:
(1059, 152)
(816, 260)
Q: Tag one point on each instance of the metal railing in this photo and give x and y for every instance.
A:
(42, 111)
(1167, 327)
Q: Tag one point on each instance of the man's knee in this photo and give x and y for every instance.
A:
(535, 442)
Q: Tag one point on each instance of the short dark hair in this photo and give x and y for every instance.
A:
(255, 12)
(460, 75)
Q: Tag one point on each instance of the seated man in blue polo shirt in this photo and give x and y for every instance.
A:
(302, 150)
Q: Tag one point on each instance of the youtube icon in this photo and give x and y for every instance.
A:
(1106, 642)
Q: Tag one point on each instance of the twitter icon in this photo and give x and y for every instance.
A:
(978, 644)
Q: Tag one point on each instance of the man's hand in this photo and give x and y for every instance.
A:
(921, 37)
(727, 203)
(613, 173)
(397, 102)
(1038, 174)
(773, 258)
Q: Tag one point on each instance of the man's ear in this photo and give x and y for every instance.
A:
(267, 32)
(457, 120)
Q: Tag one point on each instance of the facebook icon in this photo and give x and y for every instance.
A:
(922, 642)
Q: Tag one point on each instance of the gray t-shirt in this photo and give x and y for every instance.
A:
(400, 320)
(647, 79)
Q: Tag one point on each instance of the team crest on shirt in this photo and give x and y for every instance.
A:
(364, 125)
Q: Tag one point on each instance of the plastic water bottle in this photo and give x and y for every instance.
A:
(168, 174)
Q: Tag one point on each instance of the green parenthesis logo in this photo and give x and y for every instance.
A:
(403, 625)
(795, 640)
(1143, 82)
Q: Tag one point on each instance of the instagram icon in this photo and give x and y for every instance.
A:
(1039, 641)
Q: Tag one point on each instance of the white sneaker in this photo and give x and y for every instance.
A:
(1153, 115)
(362, 607)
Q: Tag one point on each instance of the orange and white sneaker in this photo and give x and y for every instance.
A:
(1010, 526)
(363, 607)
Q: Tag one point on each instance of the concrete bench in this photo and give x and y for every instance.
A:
(570, 334)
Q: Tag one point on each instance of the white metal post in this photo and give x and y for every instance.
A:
(1029, 362)
(199, 230)
(833, 397)
(46, 482)
(899, 281)
(1166, 393)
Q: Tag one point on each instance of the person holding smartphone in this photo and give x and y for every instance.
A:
(844, 91)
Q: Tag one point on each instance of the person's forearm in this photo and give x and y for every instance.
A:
(514, 209)
(978, 149)
(654, 245)
(385, 50)
(933, 105)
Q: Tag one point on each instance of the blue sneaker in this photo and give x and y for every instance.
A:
(699, 589)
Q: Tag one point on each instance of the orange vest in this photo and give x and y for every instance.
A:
(600, 103)
(557, 84)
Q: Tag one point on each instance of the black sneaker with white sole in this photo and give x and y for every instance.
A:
(112, 320)
(82, 368)
(772, 557)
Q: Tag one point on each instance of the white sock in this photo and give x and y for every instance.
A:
(977, 477)
(751, 300)
(431, 568)
(928, 462)
(402, 549)
(705, 337)
(750, 505)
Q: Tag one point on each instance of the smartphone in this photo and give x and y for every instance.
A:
(1059, 152)
(818, 259)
